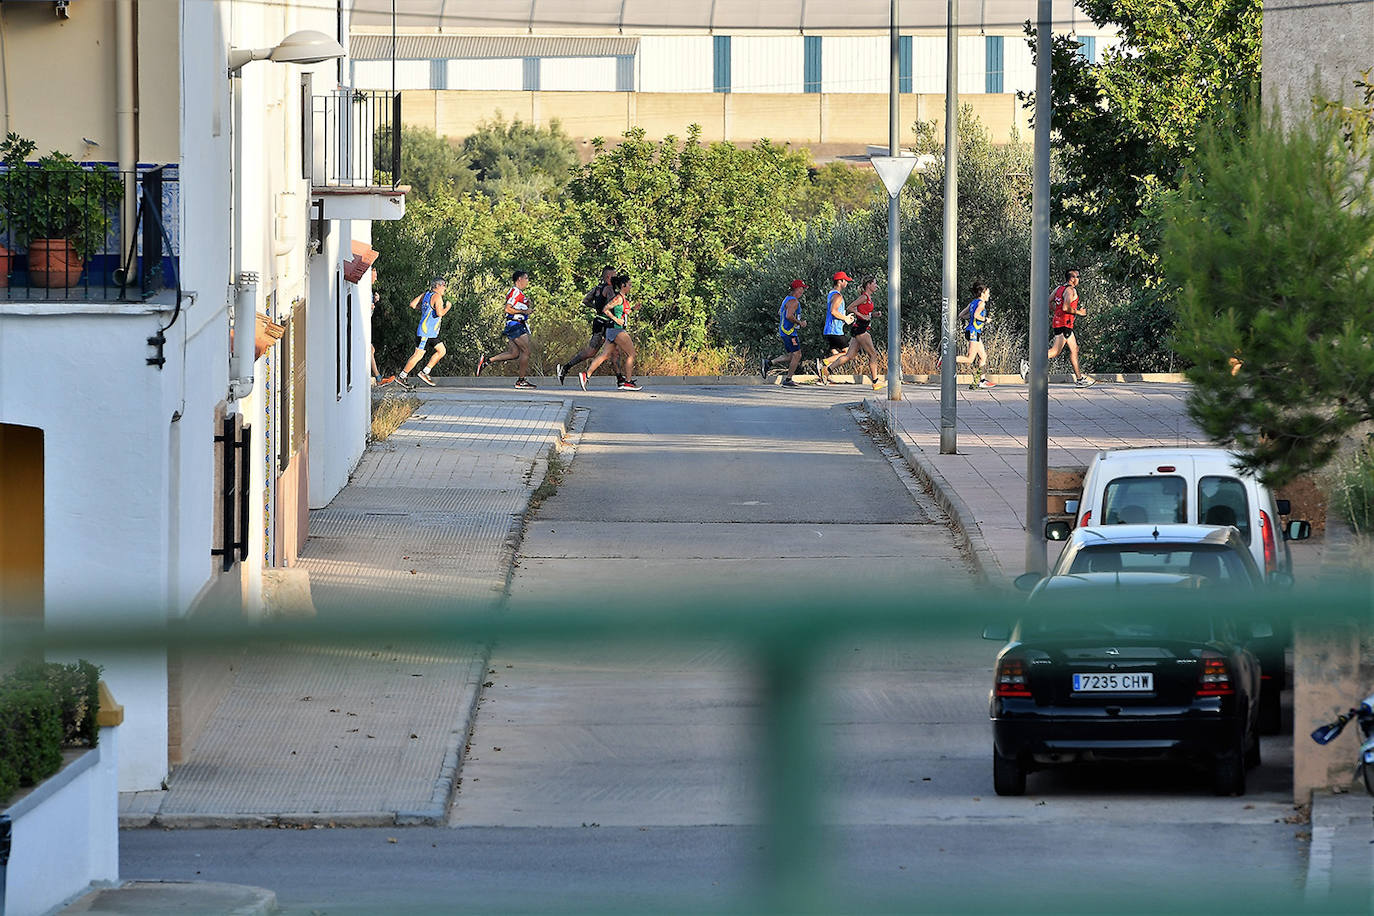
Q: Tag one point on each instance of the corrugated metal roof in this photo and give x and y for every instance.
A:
(474, 47)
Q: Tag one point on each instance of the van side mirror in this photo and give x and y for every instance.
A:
(997, 632)
(1027, 581)
(1284, 506)
(1057, 531)
(1297, 530)
(1071, 507)
(1261, 630)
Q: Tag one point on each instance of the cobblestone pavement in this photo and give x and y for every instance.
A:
(371, 735)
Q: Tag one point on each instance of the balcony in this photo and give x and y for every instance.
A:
(89, 263)
(352, 150)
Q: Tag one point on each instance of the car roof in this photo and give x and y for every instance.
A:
(1105, 580)
(1164, 453)
(1216, 535)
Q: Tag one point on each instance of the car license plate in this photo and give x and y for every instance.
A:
(1113, 683)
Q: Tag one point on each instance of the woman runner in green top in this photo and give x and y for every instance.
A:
(617, 336)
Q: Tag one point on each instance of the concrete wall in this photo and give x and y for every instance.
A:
(856, 118)
(1312, 51)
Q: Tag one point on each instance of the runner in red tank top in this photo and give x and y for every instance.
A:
(1064, 309)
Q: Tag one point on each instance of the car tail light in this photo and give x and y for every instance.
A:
(1011, 678)
(1215, 680)
(1087, 517)
(1271, 562)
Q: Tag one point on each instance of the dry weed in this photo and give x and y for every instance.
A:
(390, 412)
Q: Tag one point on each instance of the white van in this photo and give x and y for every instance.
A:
(1198, 486)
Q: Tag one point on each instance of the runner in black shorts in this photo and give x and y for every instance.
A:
(595, 300)
(836, 323)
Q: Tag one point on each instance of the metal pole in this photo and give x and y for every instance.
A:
(949, 398)
(894, 221)
(1037, 434)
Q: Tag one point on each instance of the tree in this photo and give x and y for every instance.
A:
(433, 166)
(520, 160)
(1269, 240)
(1126, 126)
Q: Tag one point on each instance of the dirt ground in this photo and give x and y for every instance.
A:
(1309, 502)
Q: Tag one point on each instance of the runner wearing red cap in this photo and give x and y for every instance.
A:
(836, 323)
(790, 324)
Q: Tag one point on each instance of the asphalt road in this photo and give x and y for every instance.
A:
(627, 777)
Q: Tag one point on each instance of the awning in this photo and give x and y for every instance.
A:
(631, 17)
(373, 46)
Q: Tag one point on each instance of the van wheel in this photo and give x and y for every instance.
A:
(1008, 776)
(1228, 771)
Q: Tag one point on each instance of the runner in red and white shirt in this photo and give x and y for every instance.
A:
(517, 330)
(1064, 310)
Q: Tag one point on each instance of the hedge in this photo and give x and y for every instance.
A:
(44, 706)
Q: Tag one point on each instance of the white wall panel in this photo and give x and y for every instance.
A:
(492, 73)
(973, 65)
(1018, 67)
(927, 63)
(675, 63)
(850, 64)
(768, 64)
(577, 74)
(376, 74)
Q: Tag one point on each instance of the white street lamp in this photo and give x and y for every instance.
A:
(304, 47)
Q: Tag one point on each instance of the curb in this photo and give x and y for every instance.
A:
(176, 897)
(550, 383)
(985, 562)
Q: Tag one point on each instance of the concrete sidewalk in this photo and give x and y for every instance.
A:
(345, 735)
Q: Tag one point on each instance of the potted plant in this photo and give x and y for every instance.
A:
(58, 209)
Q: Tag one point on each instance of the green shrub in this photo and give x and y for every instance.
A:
(44, 706)
(1353, 493)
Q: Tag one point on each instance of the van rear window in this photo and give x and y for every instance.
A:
(1161, 500)
(1222, 501)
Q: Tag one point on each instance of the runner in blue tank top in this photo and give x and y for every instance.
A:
(975, 316)
(836, 322)
(790, 324)
(432, 308)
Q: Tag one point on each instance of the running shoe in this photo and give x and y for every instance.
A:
(939, 364)
(524, 383)
(404, 383)
(562, 372)
(423, 376)
(822, 371)
(619, 379)
(383, 382)
(987, 383)
(1025, 369)
(879, 383)
(1086, 381)
(788, 383)
(763, 366)
(481, 361)
(628, 385)
(582, 380)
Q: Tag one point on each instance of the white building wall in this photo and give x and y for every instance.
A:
(502, 73)
(410, 74)
(928, 64)
(767, 64)
(675, 63)
(853, 64)
(577, 74)
(1018, 66)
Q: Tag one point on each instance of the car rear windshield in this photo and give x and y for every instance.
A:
(1161, 500)
(1211, 564)
(1223, 501)
(1108, 624)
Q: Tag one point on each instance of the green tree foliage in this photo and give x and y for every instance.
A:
(433, 166)
(838, 187)
(1126, 126)
(677, 214)
(1276, 312)
(520, 160)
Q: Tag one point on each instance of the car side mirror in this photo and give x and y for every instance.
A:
(1027, 581)
(998, 632)
(1281, 580)
(1261, 630)
(1284, 506)
(1071, 507)
(1057, 531)
(1297, 530)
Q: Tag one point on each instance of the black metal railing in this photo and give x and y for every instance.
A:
(353, 139)
(63, 239)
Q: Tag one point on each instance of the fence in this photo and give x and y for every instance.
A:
(353, 139)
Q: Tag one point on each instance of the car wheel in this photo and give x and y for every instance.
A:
(1252, 756)
(1008, 776)
(1228, 770)
(1270, 712)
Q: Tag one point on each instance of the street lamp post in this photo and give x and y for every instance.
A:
(1037, 433)
(949, 399)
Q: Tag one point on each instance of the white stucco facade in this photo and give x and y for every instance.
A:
(129, 467)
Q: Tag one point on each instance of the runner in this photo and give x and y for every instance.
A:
(617, 336)
(432, 308)
(790, 324)
(975, 316)
(517, 330)
(1064, 309)
(595, 300)
(836, 321)
(860, 337)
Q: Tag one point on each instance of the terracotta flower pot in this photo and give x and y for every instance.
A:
(54, 264)
(267, 334)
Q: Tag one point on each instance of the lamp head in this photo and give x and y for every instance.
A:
(304, 47)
